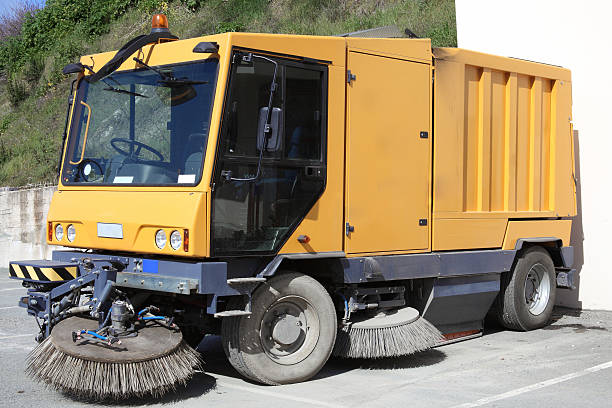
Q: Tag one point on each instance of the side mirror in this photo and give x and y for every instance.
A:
(206, 48)
(269, 138)
(73, 68)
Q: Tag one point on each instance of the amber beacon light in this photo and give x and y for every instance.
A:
(159, 23)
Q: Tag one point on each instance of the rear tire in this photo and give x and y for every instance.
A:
(289, 335)
(528, 293)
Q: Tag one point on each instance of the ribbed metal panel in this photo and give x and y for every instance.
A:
(502, 137)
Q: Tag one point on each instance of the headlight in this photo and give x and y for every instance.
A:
(71, 233)
(59, 232)
(175, 240)
(160, 239)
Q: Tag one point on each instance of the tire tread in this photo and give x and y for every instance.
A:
(229, 340)
(242, 359)
(507, 308)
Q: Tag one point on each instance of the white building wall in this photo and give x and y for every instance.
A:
(575, 35)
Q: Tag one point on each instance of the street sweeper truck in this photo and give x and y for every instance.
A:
(300, 196)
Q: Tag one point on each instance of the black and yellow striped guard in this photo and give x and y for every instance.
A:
(44, 271)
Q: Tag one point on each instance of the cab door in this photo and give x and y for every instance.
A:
(388, 155)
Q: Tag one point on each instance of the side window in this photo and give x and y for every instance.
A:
(250, 91)
(303, 104)
(261, 196)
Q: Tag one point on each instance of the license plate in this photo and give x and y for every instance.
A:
(106, 230)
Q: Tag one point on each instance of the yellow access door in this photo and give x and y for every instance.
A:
(388, 155)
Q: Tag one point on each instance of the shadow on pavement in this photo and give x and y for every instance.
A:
(579, 327)
(559, 312)
(216, 362)
(422, 359)
(492, 326)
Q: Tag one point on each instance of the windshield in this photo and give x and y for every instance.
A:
(143, 127)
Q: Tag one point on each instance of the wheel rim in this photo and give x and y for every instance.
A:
(537, 289)
(289, 330)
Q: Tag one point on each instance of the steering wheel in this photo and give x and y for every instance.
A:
(136, 152)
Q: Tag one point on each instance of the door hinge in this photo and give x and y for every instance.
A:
(350, 76)
(348, 228)
(423, 222)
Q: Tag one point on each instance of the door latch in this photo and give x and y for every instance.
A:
(350, 76)
(349, 228)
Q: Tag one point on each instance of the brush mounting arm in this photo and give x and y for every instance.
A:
(380, 298)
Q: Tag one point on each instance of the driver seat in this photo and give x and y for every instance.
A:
(194, 152)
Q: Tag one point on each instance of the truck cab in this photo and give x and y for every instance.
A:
(179, 149)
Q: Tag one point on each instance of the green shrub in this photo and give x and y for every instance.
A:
(17, 89)
(33, 68)
(46, 31)
(30, 135)
(153, 6)
(4, 148)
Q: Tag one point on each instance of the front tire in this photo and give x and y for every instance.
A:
(290, 334)
(528, 293)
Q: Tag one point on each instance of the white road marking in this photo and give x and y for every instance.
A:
(254, 390)
(17, 346)
(19, 288)
(9, 307)
(16, 336)
(536, 386)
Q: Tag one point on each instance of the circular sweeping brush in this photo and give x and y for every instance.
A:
(388, 334)
(151, 363)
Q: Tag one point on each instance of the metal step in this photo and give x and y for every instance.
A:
(244, 281)
(232, 313)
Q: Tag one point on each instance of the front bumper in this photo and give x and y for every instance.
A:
(174, 276)
(43, 271)
(50, 281)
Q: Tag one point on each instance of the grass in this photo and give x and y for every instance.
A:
(30, 134)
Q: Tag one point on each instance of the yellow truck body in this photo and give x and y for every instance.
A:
(498, 150)
(503, 150)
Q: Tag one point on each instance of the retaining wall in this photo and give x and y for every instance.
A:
(23, 214)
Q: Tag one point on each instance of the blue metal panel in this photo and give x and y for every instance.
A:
(150, 266)
(449, 287)
(461, 303)
(429, 265)
(567, 255)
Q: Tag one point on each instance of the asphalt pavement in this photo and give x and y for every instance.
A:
(568, 363)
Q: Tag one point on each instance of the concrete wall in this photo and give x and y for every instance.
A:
(575, 35)
(23, 215)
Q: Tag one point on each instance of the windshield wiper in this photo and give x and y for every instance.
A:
(123, 91)
(173, 82)
(169, 80)
(114, 89)
(119, 90)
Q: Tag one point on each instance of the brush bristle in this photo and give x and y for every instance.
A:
(100, 381)
(394, 341)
